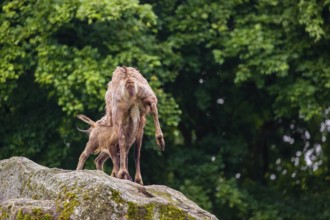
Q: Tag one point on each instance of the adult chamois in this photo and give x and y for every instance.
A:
(128, 99)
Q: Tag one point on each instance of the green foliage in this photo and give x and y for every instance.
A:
(243, 90)
(196, 193)
(62, 54)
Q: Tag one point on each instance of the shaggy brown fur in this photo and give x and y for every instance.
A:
(128, 99)
(103, 140)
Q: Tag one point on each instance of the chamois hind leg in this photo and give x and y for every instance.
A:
(108, 112)
(113, 150)
(108, 108)
(137, 150)
(89, 149)
(123, 170)
(100, 159)
(122, 173)
(128, 176)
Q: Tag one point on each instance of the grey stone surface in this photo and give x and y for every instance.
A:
(32, 191)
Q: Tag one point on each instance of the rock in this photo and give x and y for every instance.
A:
(32, 191)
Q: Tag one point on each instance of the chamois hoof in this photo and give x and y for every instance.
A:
(139, 181)
(160, 142)
(123, 174)
(138, 178)
(113, 174)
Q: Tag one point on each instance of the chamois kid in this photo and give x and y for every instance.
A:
(104, 140)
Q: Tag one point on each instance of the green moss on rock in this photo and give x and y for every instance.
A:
(65, 204)
(115, 196)
(3, 214)
(168, 212)
(36, 214)
(137, 212)
(40, 215)
(146, 212)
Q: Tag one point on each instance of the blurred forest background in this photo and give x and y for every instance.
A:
(243, 88)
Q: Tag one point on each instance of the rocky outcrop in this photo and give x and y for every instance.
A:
(31, 191)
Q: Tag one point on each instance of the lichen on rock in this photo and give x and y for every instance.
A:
(31, 191)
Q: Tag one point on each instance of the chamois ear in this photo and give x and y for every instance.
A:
(121, 69)
(124, 72)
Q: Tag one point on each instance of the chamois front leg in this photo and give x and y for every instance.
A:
(159, 134)
(85, 154)
(138, 144)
